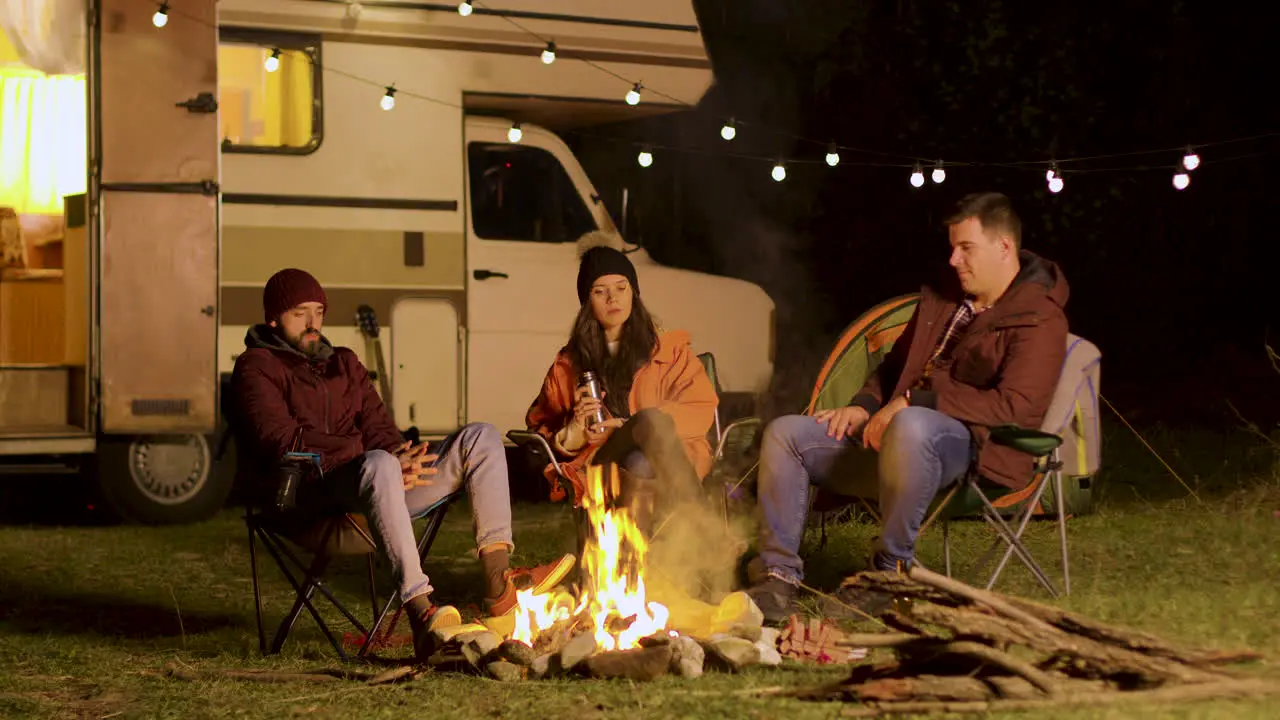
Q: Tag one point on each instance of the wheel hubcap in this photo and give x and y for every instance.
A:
(169, 470)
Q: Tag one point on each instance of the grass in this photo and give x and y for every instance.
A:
(91, 616)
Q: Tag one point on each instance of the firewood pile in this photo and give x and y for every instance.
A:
(956, 648)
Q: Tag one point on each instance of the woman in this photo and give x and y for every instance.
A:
(658, 402)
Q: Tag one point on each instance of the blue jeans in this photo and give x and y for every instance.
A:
(373, 485)
(922, 451)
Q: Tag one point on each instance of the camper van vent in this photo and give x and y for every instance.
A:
(161, 407)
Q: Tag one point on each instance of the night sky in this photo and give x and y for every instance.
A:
(1173, 286)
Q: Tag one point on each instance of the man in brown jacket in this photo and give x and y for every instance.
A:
(984, 348)
(291, 388)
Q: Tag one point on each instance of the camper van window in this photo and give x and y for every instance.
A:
(523, 193)
(269, 93)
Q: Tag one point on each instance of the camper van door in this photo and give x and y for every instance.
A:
(528, 203)
(157, 185)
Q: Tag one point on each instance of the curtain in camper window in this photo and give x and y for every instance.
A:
(42, 140)
(48, 35)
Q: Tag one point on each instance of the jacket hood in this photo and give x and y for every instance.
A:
(1039, 273)
(265, 337)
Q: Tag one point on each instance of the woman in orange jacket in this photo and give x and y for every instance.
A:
(658, 402)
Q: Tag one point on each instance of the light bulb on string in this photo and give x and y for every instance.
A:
(1056, 184)
(161, 18)
(389, 99)
(779, 172)
(1181, 180)
(633, 95)
(645, 158)
(938, 174)
(549, 54)
(917, 176)
(1050, 174)
(1190, 160)
(833, 155)
(272, 62)
(515, 133)
(729, 131)
(464, 8)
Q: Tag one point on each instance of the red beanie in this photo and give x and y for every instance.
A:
(290, 288)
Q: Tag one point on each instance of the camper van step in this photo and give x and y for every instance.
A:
(31, 432)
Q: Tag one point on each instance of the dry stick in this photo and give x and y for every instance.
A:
(870, 640)
(1250, 688)
(982, 597)
(182, 629)
(1252, 427)
(1003, 660)
(1173, 472)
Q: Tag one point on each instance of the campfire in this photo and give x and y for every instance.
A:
(610, 624)
(612, 603)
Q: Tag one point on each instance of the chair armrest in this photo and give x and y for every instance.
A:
(748, 425)
(1035, 443)
(536, 444)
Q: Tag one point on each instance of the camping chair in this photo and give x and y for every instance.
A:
(1071, 424)
(322, 539)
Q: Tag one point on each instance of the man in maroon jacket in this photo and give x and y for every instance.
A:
(984, 348)
(291, 385)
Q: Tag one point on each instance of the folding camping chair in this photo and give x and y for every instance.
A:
(323, 539)
(1072, 420)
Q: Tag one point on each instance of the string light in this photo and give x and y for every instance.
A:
(1054, 176)
(161, 18)
(273, 62)
(833, 155)
(515, 133)
(645, 158)
(549, 55)
(633, 95)
(1190, 160)
(464, 8)
(938, 173)
(729, 131)
(917, 177)
(779, 172)
(389, 100)
(1181, 180)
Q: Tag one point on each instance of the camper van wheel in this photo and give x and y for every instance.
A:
(160, 479)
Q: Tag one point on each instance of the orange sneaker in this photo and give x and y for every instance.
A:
(540, 579)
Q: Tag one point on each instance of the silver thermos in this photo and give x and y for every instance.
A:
(589, 380)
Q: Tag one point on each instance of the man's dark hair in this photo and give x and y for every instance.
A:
(993, 210)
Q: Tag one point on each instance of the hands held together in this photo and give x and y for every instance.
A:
(415, 465)
(845, 422)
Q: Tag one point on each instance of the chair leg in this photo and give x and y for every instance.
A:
(373, 590)
(1002, 528)
(257, 590)
(1062, 530)
(304, 590)
(1025, 518)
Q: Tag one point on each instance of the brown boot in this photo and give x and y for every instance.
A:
(425, 617)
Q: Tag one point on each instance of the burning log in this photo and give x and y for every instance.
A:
(961, 649)
(639, 664)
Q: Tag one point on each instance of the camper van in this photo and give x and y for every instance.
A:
(406, 154)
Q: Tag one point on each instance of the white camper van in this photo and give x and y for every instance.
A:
(239, 137)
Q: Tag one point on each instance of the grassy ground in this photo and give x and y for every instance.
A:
(91, 616)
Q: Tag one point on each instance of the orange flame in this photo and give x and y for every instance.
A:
(613, 592)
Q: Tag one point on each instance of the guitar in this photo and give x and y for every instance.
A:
(367, 321)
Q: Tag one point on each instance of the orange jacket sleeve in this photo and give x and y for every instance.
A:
(689, 398)
(554, 405)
